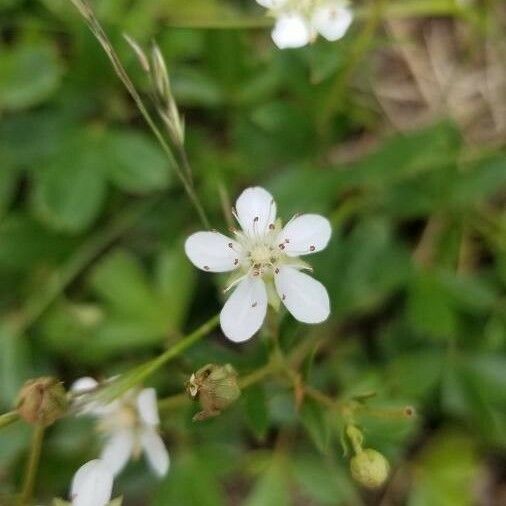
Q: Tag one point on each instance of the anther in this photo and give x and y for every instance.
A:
(311, 248)
(276, 270)
(256, 218)
(231, 245)
(287, 241)
(254, 304)
(206, 267)
(271, 226)
(281, 246)
(236, 261)
(283, 297)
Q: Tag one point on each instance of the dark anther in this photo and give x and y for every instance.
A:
(230, 245)
(281, 246)
(271, 226)
(276, 270)
(254, 304)
(284, 297)
(311, 248)
(236, 261)
(256, 218)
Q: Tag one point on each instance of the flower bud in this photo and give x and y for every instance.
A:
(369, 468)
(216, 387)
(42, 401)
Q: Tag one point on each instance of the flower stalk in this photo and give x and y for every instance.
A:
(32, 465)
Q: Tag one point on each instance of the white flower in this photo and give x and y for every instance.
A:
(291, 31)
(265, 259)
(92, 484)
(332, 20)
(299, 21)
(130, 425)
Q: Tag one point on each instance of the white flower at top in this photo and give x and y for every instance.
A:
(92, 484)
(298, 22)
(264, 258)
(130, 426)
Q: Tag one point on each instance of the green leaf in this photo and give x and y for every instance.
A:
(30, 73)
(70, 190)
(445, 473)
(272, 487)
(315, 420)
(323, 481)
(257, 413)
(175, 283)
(430, 309)
(135, 163)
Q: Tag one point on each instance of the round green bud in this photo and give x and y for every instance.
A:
(216, 387)
(42, 401)
(369, 468)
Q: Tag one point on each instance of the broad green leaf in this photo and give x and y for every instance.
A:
(315, 419)
(135, 163)
(271, 489)
(445, 472)
(70, 189)
(257, 414)
(30, 73)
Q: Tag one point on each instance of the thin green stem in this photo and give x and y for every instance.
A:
(142, 372)
(32, 466)
(8, 418)
(96, 28)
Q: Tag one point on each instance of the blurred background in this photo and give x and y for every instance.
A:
(397, 133)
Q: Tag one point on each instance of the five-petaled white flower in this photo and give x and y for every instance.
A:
(130, 425)
(92, 484)
(298, 22)
(265, 259)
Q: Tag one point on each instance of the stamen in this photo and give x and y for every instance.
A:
(206, 267)
(276, 270)
(254, 304)
(287, 241)
(311, 248)
(236, 261)
(281, 246)
(271, 226)
(283, 297)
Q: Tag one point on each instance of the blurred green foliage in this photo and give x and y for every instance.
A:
(94, 277)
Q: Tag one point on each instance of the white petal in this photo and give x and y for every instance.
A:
(148, 407)
(92, 485)
(256, 210)
(332, 20)
(305, 234)
(291, 31)
(83, 385)
(306, 298)
(212, 251)
(155, 451)
(271, 4)
(244, 312)
(117, 450)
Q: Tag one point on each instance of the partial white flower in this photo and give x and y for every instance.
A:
(299, 21)
(264, 258)
(332, 20)
(130, 426)
(92, 484)
(291, 31)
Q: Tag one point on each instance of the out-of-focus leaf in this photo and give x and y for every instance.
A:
(14, 364)
(71, 188)
(175, 279)
(430, 309)
(445, 473)
(323, 481)
(30, 74)
(255, 402)
(272, 487)
(135, 163)
(316, 421)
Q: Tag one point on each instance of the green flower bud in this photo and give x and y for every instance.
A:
(42, 401)
(369, 468)
(216, 387)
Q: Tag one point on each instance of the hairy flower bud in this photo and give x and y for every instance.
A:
(216, 387)
(42, 401)
(369, 468)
